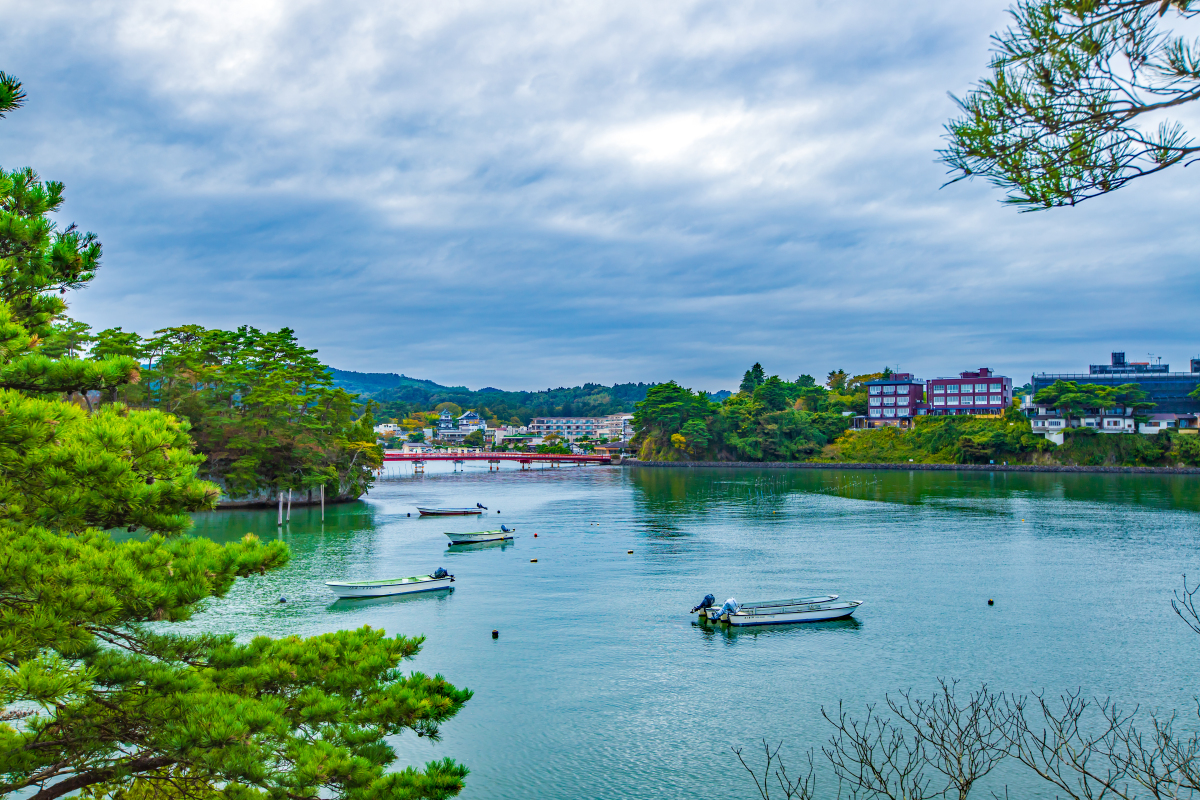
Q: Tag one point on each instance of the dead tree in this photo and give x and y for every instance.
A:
(802, 788)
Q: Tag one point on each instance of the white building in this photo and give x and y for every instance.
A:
(612, 426)
(1184, 423)
(384, 428)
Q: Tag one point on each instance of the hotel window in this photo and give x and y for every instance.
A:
(952, 388)
(902, 401)
(939, 401)
(875, 412)
(995, 387)
(889, 401)
(873, 390)
(981, 387)
(939, 389)
(967, 400)
(874, 401)
(889, 412)
(889, 390)
(995, 399)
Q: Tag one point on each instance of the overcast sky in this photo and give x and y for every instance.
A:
(534, 194)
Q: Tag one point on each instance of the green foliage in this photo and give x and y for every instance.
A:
(958, 439)
(1075, 101)
(473, 439)
(1073, 399)
(261, 407)
(777, 421)
(118, 705)
(753, 378)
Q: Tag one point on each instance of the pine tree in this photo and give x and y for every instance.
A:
(98, 693)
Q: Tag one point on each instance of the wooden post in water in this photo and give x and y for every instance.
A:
(289, 514)
(280, 522)
(322, 502)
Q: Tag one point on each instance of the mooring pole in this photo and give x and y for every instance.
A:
(280, 522)
(322, 502)
(289, 516)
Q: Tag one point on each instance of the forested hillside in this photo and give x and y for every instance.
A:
(399, 396)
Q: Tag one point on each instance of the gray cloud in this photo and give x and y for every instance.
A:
(524, 194)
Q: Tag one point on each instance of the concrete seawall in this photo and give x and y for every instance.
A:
(630, 462)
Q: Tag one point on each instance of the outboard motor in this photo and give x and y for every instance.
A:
(440, 573)
(504, 528)
(731, 606)
(707, 602)
(481, 505)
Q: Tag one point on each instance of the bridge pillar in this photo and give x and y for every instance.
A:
(418, 466)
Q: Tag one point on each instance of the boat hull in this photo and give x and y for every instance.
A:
(714, 612)
(478, 537)
(785, 616)
(448, 512)
(388, 588)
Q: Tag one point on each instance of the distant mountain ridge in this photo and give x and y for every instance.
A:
(399, 395)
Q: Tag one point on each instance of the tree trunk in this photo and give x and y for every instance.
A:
(289, 511)
(322, 502)
(280, 522)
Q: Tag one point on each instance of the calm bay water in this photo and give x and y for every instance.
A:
(602, 686)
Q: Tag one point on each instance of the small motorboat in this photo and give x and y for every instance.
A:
(480, 536)
(448, 512)
(389, 586)
(711, 613)
(782, 612)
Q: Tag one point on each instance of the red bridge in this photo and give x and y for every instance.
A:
(494, 459)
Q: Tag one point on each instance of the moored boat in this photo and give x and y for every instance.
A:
(389, 586)
(447, 512)
(783, 613)
(476, 537)
(710, 612)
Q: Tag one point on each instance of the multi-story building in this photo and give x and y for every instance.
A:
(455, 429)
(894, 400)
(570, 428)
(1167, 390)
(615, 427)
(979, 391)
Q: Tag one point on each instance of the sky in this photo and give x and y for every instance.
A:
(536, 194)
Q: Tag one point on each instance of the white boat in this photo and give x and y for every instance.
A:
(447, 512)
(714, 612)
(783, 614)
(390, 586)
(480, 536)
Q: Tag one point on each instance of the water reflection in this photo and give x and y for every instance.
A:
(353, 604)
(672, 491)
(723, 630)
(474, 547)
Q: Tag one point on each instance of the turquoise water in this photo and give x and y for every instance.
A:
(602, 686)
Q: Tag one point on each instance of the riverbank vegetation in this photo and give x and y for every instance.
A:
(261, 408)
(771, 419)
(98, 695)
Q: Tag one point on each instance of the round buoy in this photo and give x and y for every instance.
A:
(533, 561)
(630, 552)
(991, 602)
(497, 511)
(495, 634)
(283, 599)
(408, 515)
(535, 536)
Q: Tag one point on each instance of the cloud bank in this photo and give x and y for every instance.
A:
(526, 194)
